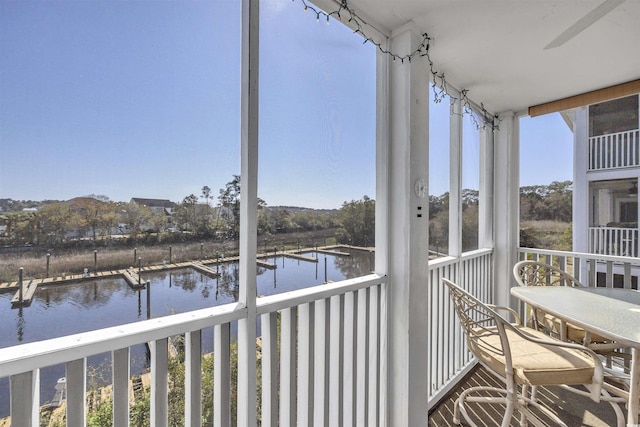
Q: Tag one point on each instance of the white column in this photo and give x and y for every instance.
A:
(506, 204)
(455, 177)
(382, 225)
(408, 217)
(581, 209)
(486, 205)
(248, 213)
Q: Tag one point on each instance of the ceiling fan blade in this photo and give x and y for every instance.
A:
(584, 22)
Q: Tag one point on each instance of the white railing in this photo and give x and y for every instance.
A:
(336, 335)
(449, 356)
(326, 366)
(615, 150)
(590, 269)
(613, 241)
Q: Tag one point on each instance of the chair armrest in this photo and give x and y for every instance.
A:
(514, 313)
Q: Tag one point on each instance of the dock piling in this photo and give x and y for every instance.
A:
(20, 290)
(95, 262)
(48, 257)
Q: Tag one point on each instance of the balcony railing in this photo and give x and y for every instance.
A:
(321, 354)
(320, 357)
(449, 356)
(613, 241)
(614, 270)
(615, 150)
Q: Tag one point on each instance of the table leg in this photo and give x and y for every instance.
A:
(634, 388)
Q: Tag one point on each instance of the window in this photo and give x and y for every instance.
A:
(317, 148)
(470, 184)
(614, 116)
(439, 176)
(546, 178)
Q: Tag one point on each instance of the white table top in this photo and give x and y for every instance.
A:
(611, 312)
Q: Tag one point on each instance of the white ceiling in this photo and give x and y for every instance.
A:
(495, 48)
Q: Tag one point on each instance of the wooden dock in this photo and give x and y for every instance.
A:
(23, 297)
(295, 255)
(132, 278)
(131, 275)
(265, 264)
(333, 252)
(204, 269)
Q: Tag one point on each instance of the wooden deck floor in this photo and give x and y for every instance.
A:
(572, 409)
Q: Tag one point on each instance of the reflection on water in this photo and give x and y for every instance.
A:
(68, 309)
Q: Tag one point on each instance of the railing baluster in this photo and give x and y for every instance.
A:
(193, 379)
(287, 367)
(221, 375)
(305, 364)
(25, 399)
(349, 403)
(120, 375)
(76, 374)
(159, 382)
(609, 274)
(320, 363)
(361, 357)
(373, 356)
(336, 360)
(270, 380)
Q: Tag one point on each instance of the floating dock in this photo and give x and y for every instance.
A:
(300, 257)
(204, 269)
(131, 275)
(23, 297)
(132, 278)
(333, 252)
(265, 264)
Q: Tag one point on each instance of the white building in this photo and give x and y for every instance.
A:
(606, 172)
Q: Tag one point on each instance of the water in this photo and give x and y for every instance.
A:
(94, 304)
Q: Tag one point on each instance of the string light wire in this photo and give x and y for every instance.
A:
(481, 119)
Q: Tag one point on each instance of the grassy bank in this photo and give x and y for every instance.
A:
(553, 235)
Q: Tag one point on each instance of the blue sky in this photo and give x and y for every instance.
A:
(142, 99)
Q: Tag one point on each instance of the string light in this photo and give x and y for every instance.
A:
(482, 119)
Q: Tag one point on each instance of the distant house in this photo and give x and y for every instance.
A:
(159, 207)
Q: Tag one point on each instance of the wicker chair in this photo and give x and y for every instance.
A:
(522, 356)
(534, 273)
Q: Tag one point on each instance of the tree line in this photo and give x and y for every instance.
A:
(208, 216)
(96, 217)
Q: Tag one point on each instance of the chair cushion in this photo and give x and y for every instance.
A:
(533, 363)
(574, 333)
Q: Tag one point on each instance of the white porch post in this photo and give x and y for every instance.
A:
(248, 214)
(486, 206)
(580, 183)
(506, 204)
(408, 217)
(455, 177)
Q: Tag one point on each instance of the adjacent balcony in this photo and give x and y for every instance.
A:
(614, 241)
(614, 151)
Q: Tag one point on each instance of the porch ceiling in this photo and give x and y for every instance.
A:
(496, 48)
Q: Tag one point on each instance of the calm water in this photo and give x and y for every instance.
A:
(68, 309)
